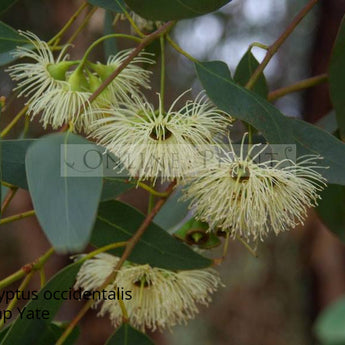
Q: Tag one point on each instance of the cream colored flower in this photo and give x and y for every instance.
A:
(129, 81)
(44, 74)
(160, 298)
(248, 199)
(67, 103)
(155, 144)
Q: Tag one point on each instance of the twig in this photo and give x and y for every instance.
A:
(14, 301)
(14, 121)
(26, 269)
(56, 38)
(17, 217)
(145, 41)
(301, 85)
(276, 45)
(128, 250)
(11, 193)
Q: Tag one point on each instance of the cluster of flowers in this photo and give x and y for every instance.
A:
(238, 196)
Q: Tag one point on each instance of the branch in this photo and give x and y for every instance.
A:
(26, 269)
(301, 85)
(277, 44)
(145, 41)
(128, 250)
(17, 217)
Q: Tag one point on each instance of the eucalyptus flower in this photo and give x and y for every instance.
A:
(155, 144)
(129, 81)
(43, 72)
(67, 103)
(160, 298)
(235, 194)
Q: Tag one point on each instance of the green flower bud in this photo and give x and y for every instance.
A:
(78, 81)
(58, 70)
(103, 71)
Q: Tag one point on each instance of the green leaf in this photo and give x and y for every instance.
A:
(275, 127)
(53, 332)
(328, 123)
(127, 335)
(245, 70)
(117, 222)
(110, 45)
(6, 4)
(331, 209)
(172, 212)
(111, 5)
(174, 9)
(66, 206)
(9, 40)
(330, 324)
(13, 161)
(113, 187)
(337, 78)
(35, 329)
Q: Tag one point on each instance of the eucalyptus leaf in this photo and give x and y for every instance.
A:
(13, 161)
(328, 123)
(172, 212)
(127, 335)
(114, 186)
(245, 70)
(331, 209)
(275, 127)
(9, 40)
(174, 9)
(330, 324)
(35, 329)
(337, 78)
(117, 222)
(65, 200)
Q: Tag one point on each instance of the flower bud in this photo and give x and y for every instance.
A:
(58, 70)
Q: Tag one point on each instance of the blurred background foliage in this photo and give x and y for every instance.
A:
(270, 300)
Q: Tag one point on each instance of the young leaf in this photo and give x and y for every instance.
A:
(111, 5)
(337, 78)
(65, 205)
(34, 329)
(275, 127)
(13, 161)
(117, 222)
(127, 335)
(329, 326)
(174, 9)
(245, 70)
(9, 40)
(331, 209)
